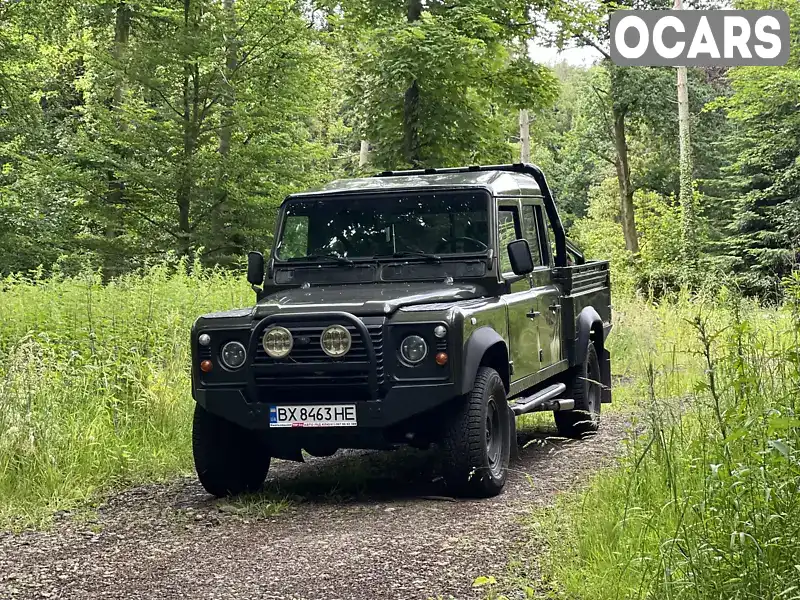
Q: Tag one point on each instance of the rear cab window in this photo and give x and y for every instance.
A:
(509, 229)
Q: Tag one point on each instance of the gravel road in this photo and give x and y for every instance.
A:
(358, 525)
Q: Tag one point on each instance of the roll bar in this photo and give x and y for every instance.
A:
(526, 168)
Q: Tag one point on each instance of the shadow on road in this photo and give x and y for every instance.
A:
(403, 473)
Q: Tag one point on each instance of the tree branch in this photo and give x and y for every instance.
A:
(600, 155)
(593, 44)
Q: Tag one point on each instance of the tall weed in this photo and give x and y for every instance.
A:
(94, 382)
(704, 503)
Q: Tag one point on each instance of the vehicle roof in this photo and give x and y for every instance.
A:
(498, 183)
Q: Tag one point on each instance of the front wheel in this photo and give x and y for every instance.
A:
(229, 459)
(477, 443)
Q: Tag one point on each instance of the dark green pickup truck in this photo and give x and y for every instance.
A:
(418, 307)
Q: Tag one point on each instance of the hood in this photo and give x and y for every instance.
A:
(365, 299)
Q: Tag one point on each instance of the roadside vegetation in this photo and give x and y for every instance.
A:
(94, 386)
(703, 502)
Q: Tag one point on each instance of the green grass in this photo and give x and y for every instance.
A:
(705, 500)
(94, 383)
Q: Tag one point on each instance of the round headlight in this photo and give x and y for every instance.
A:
(277, 342)
(413, 349)
(336, 341)
(233, 355)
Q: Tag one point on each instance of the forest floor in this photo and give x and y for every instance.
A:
(358, 525)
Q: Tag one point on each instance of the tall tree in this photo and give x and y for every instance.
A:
(689, 245)
(764, 235)
(436, 82)
(212, 102)
(620, 109)
(585, 24)
(411, 101)
(615, 102)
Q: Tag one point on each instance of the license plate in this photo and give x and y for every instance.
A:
(315, 415)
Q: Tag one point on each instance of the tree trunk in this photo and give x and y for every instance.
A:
(686, 195)
(524, 136)
(411, 102)
(688, 220)
(624, 180)
(115, 194)
(228, 100)
(122, 34)
(231, 61)
(184, 189)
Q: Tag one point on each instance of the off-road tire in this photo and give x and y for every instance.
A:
(476, 443)
(229, 459)
(584, 387)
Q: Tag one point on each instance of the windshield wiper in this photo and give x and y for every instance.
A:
(415, 253)
(329, 257)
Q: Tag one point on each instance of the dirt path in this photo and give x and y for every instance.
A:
(361, 528)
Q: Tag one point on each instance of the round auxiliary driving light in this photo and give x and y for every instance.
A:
(277, 342)
(439, 331)
(233, 355)
(336, 341)
(413, 349)
(204, 339)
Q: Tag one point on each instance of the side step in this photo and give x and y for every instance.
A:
(543, 400)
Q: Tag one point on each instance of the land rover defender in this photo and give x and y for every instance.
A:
(414, 307)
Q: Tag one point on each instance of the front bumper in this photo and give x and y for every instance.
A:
(400, 403)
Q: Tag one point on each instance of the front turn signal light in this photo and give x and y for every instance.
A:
(441, 359)
(206, 366)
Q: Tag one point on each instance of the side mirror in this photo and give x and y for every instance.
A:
(255, 268)
(519, 254)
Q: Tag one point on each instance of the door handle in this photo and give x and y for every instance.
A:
(555, 307)
(532, 314)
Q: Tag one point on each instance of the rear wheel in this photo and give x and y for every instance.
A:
(229, 459)
(477, 442)
(584, 387)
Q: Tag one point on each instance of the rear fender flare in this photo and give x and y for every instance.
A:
(590, 329)
(588, 322)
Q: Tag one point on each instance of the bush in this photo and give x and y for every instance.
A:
(658, 270)
(704, 502)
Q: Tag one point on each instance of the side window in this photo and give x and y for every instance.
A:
(295, 237)
(532, 234)
(547, 246)
(509, 230)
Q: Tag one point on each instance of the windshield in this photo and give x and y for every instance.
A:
(431, 224)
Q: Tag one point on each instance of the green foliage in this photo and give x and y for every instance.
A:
(657, 270)
(96, 390)
(764, 234)
(133, 129)
(703, 504)
(570, 165)
(468, 76)
(163, 126)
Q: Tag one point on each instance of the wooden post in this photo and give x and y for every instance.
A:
(524, 136)
(363, 155)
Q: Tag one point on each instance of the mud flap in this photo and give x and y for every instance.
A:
(512, 436)
(605, 375)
